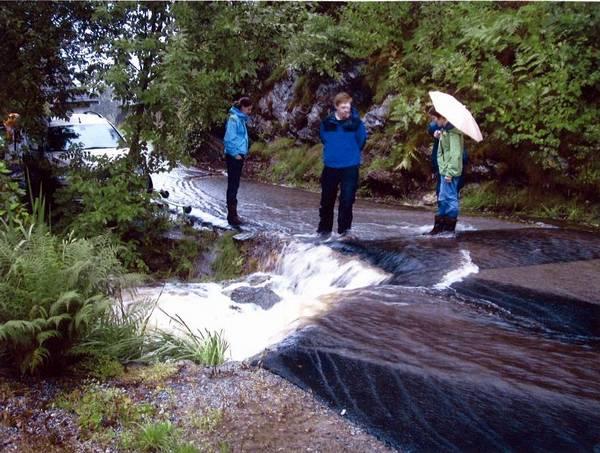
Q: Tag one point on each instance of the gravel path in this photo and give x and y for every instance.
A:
(233, 408)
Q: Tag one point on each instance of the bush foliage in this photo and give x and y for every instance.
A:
(52, 291)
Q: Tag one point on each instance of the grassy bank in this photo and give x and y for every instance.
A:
(284, 162)
(62, 300)
(514, 201)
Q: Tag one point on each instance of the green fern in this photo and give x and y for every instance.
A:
(52, 292)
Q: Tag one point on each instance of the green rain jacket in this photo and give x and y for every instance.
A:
(450, 152)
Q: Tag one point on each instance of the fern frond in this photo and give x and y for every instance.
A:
(42, 337)
(65, 303)
(34, 360)
(19, 331)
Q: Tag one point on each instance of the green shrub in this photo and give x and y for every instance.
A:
(319, 48)
(110, 197)
(101, 366)
(51, 292)
(11, 195)
(184, 255)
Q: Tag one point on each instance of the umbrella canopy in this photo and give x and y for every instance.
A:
(456, 113)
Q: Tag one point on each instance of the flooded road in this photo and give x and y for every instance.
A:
(292, 211)
(486, 341)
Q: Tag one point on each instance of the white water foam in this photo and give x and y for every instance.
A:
(304, 275)
(467, 267)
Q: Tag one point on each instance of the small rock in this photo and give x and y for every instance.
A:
(429, 199)
(263, 297)
(243, 236)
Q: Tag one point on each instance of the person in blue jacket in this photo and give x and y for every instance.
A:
(236, 143)
(343, 135)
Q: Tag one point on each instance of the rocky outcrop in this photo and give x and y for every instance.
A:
(271, 114)
(294, 106)
(281, 113)
(377, 115)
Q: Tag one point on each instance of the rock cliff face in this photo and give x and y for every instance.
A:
(281, 112)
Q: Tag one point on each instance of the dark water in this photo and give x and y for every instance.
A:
(505, 358)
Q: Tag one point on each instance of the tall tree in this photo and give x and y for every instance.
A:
(134, 36)
(220, 51)
(43, 63)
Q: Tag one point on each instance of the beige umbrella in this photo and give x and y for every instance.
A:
(455, 112)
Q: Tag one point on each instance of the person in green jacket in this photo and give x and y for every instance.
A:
(450, 163)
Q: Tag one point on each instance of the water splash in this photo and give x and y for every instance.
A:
(466, 268)
(303, 275)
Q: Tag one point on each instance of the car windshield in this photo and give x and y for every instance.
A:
(88, 136)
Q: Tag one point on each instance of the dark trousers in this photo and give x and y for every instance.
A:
(331, 179)
(234, 173)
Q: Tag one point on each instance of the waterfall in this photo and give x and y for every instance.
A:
(303, 275)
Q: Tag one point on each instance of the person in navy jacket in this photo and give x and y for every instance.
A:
(343, 135)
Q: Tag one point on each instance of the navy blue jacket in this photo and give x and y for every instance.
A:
(343, 140)
(431, 128)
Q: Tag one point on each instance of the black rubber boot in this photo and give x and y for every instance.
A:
(450, 224)
(232, 216)
(439, 225)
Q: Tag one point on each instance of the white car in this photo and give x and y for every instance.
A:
(88, 131)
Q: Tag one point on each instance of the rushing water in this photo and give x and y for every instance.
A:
(487, 341)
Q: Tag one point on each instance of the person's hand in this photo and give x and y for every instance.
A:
(238, 157)
(437, 134)
(448, 178)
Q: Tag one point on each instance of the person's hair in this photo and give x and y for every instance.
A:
(244, 101)
(341, 97)
(433, 112)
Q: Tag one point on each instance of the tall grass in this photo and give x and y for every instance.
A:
(289, 163)
(206, 348)
(124, 334)
(513, 200)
